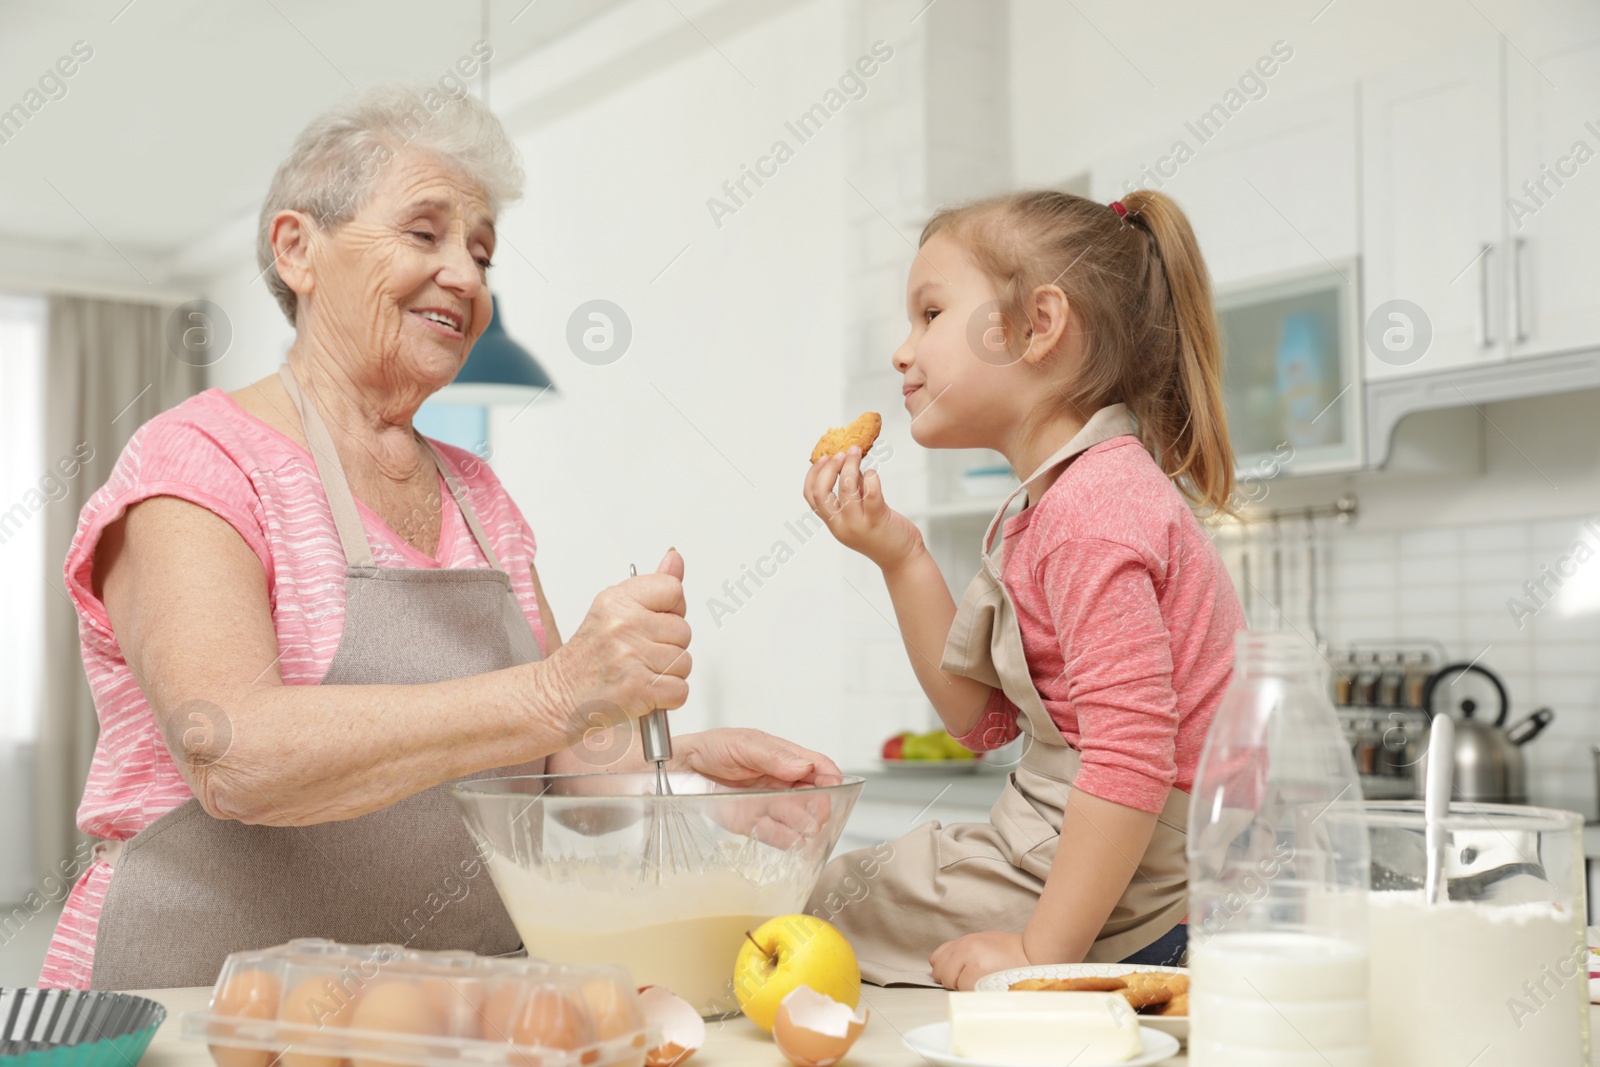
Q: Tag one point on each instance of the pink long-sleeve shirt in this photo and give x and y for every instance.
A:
(1127, 617)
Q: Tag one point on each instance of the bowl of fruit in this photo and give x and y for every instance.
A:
(935, 753)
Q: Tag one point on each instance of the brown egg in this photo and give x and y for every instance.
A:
(459, 1001)
(540, 1016)
(495, 1015)
(248, 995)
(612, 1007)
(319, 1002)
(551, 1020)
(396, 1007)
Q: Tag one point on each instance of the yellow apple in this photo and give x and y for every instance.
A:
(790, 951)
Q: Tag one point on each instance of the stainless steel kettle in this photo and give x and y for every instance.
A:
(1489, 764)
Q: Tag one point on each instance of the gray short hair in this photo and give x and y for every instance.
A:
(335, 162)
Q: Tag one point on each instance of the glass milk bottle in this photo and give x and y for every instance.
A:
(1278, 873)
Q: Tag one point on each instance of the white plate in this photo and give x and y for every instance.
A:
(1001, 981)
(933, 1042)
(930, 768)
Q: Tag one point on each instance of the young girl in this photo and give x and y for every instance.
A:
(1078, 339)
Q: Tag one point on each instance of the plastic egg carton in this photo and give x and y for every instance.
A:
(318, 1003)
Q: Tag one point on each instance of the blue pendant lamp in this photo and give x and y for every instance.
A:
(498, 370)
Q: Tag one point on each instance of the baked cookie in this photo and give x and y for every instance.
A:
(863, 432)
(1071, 985)
(1147, 992)
(1149, 989)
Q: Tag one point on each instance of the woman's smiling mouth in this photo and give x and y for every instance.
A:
(446, 322)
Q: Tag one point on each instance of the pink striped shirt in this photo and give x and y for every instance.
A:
(1127, 617)
(210, 451)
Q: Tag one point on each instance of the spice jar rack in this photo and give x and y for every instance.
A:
(1377, 689)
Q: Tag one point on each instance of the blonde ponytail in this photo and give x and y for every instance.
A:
(1137, 283)
(1184, 421)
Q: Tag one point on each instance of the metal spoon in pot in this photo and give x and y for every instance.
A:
(1436, 804)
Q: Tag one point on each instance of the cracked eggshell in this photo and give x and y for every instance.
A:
(814, 1030)
(682, 1029)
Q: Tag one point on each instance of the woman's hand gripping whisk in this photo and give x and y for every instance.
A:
(672, 844)
(657, 734)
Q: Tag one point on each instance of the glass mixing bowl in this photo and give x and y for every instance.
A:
(599, 868)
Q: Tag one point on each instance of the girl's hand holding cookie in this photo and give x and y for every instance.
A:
(856, 514)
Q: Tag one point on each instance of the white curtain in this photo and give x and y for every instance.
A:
(22, 559)
(107, 372)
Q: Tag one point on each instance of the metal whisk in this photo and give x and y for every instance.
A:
(672, 844)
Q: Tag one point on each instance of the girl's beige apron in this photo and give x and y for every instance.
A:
(943, 882)
(188, 889)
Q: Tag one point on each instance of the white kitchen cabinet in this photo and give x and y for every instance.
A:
(1552, 206)
(1275, 190)
(1273, 200)
(1434, 230)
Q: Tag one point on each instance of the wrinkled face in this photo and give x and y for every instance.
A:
(400, 291)
(962, 387)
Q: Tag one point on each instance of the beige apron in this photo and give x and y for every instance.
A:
(943, 882)
(188, 889)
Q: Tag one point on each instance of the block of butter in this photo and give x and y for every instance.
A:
(1043, 1027)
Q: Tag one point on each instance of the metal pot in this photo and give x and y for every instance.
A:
(1489, 764)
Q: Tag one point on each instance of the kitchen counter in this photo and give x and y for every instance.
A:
(977, 788)
(893, 803)
(734, 1043)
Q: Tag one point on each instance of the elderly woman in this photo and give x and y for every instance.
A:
(301, 620)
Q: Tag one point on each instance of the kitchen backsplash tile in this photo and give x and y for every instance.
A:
(1368, 574)
(1444, 568)
(1496, 537)
(1504, 570)
(1461, 585)
(1432, 600)
(1367, 603)
(1445, 627)
(1429, 542)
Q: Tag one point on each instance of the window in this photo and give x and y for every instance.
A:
(22, 557)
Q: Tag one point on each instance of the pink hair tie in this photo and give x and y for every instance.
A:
(1122, 212)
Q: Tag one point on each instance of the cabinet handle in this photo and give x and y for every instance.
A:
(1516, 287)
(1483, 295)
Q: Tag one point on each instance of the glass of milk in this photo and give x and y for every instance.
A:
(1497, 975)
(1278, 873)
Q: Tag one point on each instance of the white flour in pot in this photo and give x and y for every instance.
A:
(1485, 984)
